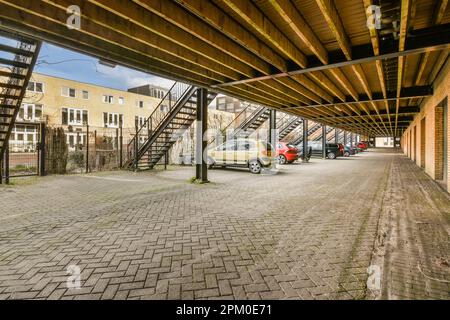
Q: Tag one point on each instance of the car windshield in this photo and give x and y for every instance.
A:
(291, 146)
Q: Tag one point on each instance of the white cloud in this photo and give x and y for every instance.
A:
(131, 78)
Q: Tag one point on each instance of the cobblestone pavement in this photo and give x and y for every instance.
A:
(308, 232)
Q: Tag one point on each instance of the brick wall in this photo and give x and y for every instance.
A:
(429, 130)
(422, 142)
(439, 138)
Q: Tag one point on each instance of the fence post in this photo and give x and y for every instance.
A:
(117, 144)
(42, 151)
(95, 148)
(87, 148)
(136, 146)
(6, 162)
(166, 159)
(120, 147)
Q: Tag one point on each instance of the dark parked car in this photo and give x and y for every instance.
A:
(332, 150)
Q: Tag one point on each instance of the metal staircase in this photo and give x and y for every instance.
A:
(289, 127)
(244, 125)
(319, 136)
(174, 114)
(253, 122)
(16, 67)
(311, 131)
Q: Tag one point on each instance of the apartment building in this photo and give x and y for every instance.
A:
(228, 104)
(73, 105)
(150, 90)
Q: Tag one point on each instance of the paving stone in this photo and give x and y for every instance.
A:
(152, 235)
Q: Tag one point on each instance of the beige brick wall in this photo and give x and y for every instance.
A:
(428, 116)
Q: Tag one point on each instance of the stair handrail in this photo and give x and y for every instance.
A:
(26, 46)
(149, 119)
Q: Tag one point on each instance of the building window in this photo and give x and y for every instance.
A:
(30, 112)
(108, 99)
(140, 121)
(74, 117)
(85, 95)
(35, 87)
(121, 101)
(68, 92)
(164, 108)
(140, 104)
(75, 139)
(23, 138)
(112, 120)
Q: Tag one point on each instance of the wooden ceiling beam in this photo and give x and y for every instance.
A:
(300, 27)
(334, 22)
(437, 19)
(248, 12)
(49, 31)
(211, 14)
(151, 23)
(176, 15)
(101, 23)
(404, 24)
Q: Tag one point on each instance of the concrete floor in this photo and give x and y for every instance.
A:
(308, 232)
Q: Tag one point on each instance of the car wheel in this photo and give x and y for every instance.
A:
(254, 166)
(331, 155)
(281, 159)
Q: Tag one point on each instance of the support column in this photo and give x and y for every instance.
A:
(201, 169)
(305, 140)
(336, 135)
(324, 141)
(345, 138)
(351, 139)
(42, 150)
(273, 129)
(6, 162)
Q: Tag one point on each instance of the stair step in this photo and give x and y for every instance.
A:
(8, 96)
(15, 50)
(8, 106)
(12, 75)
(10, 86)
(14, 63)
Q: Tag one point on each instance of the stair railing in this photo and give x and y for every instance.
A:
(163, 108)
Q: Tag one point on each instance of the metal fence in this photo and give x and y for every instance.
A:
(86, 149)
(23, 154)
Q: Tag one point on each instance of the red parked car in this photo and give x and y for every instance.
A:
(286, 153)
(362, 145)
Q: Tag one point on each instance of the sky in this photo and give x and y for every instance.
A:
(60, 62)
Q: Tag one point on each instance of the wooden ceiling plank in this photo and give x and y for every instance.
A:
(404, 24)
(248, 12)
(207, 11)
(126, 28)
(174, 14)
(437, 19)
(329, 11)
(300, 27)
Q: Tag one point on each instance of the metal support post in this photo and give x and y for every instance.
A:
(201, 169)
